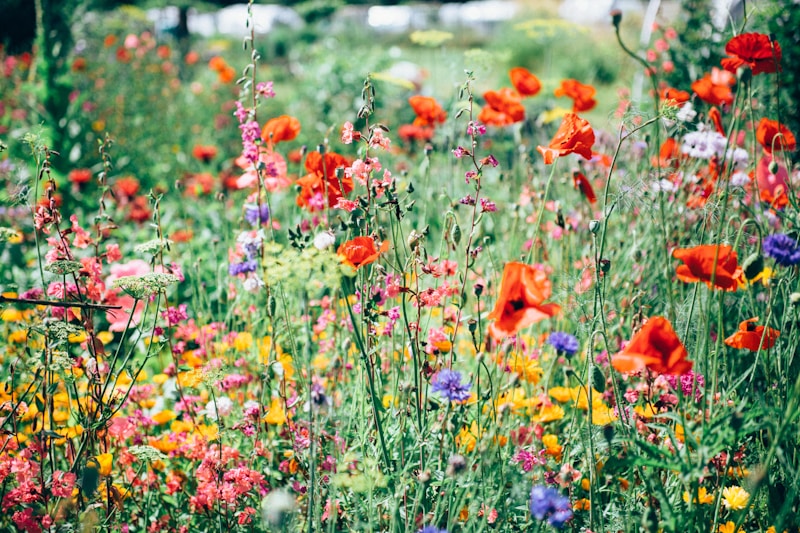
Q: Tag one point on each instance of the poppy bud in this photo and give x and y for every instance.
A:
(773, 167)
(608, 433)
(753, 265)
(272, 304)
(472, 325)
(605, 265)
(594, 226)
(616, 17)
(744, 74)
(795, 298)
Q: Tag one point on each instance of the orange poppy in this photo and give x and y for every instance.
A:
(204, 153)
(656, 347)
(502, 108)
(279, 129)
(321, 179)
(574, 136)
(771, 133)
(521, 301)
(753, 50)
(410, 132)
(716, 118)
(699, 265)
(749, 336)
(582, 183)
(679, 97)
(582, 95)
(80, 175)
(524, 82)
(669, 155)
(428, 111)
(360, 251)
(715, 88)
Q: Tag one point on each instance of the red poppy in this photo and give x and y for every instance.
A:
(574, 136)
(582, 183)
(582, 95)
(669, 155)
(524, 82)
(772, 134)
(502, 108)
(716, 118)
(428, 111)
(677, 96)
(715, 88)
(361, 251)
(750, 336)
(204, 153)
(127, 186)
(279, 129)
(753, 50)
(322, 180)
(699, 265)
(656, 347)
(410, 132)
(521, 301)
(139, 210)
(80, 175)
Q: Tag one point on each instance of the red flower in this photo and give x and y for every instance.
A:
(410, 132)
(524, 82)
(502, 108)
(428, 111)
(582, 95)
(279, 129)
(656, 347)
(715, 88)
(750, 336)
(574, 136)
(582, 183)
(361, 251)
(753, 50)
(521, 301)
(80, 175)
(699, 265)
(771, 133)
(679, 97)
(204, 153)
(126, 187)
(321, 179)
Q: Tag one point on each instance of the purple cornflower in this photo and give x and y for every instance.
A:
(564, 343)
(448, 384)
(431, 529)
(242, 268)
(546, 502)
(253, 214)
(783, 249)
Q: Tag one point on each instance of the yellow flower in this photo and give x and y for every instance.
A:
(162, 417)
(243, 341)
(105, 337)
(729, 527)
(703, 497)
(10, 315)
(276, 415)
(735, 498)
(103, 463)
(551, 445)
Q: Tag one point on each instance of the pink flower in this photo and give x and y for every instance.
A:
(112, 253)
(63, 483)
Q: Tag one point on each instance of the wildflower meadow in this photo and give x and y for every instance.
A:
(535, 275)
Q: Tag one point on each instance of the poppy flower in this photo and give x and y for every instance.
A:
(582, 183)
(502, 108)
(322, 180)
(410, 132)
(655, 347)
(279, 129)
(428, 111)
(582, 95)
(716, 118)
(574, 136)
(204, 153)
(80, 175)
(677, 96)
(669, 155)
(524, 82)
(750, 336)
(521, 301)
(360, 251)
(772, 134)
(753, 50)
(699, 265)
(715, 88)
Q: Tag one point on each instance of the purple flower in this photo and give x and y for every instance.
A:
(547, 503)
(476, 128)
(253, 214)
(431, 529)
(460, 152)
(564, 343)
(448, 384)
(242, 268)
(783, 249)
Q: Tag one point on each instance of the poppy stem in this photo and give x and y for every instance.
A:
(55, 303)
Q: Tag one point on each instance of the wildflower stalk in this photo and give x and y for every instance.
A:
(531, 255)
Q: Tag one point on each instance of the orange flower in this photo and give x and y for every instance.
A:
(360, 251)
(699, 265)
(679, 97)
(715, 88)
(749, 336)
(428, 110)
(204, 153)
(574, 136)
(80, 175)
(279, 129)
(127, 186)
(502, 108)
(582, 95)
(582, 183)
(772, 133)
(410, 132)
(217, 64)
(753, 50)
(656, 347)
(322, 180)
(521, 301)
(524, 82)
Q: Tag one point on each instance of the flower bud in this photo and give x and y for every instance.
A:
(773, 167)
(594, 226)
(753, 265)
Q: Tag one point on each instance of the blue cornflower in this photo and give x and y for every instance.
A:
(783, 249)
(448, 384)
(546, 502)
(431, 529)
(564, 343)
(234, 269)
(253, 214)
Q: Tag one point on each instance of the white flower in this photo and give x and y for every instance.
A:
(686, 113)
(324, 240)
(223, 407)
(704, 144)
